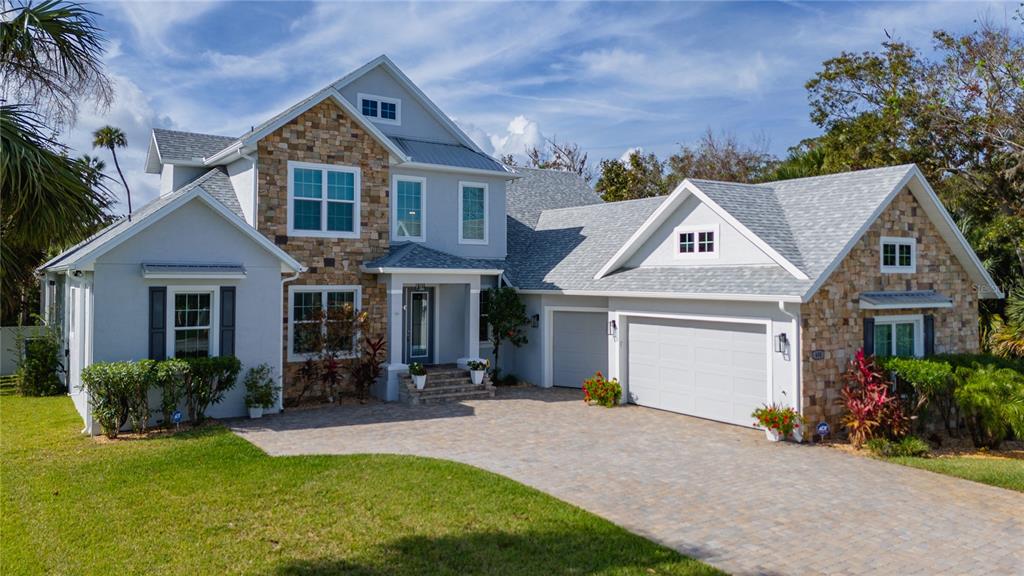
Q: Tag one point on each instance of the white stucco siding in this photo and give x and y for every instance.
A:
(242, 174)
(194, 233)
(173, 177)
(733, 248)
(441, 213)
(416, 122)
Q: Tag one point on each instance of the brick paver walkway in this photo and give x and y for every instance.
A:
(719, 493)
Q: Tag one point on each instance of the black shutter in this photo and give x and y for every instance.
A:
(227, 320)
(929, 335)
(158, 322)
(869, 336)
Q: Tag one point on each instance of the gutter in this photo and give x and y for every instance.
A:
(281, 343)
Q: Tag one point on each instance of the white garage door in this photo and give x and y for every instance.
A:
(579, 347)
(712, 370)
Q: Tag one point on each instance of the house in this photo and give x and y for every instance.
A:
(710, 301)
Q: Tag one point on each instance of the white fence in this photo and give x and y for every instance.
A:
(9, 346)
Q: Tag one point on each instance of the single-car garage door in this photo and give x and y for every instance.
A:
(579, 347)
(712, 370)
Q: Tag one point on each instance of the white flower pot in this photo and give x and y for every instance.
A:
(772, 435)
(255, 412)
(477, 376)
(419, 380)
(798, 434)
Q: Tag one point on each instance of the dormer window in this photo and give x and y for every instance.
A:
(381, 109)
(898, 255)
(696, 241)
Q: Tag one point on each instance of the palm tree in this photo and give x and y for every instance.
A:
(112, 138)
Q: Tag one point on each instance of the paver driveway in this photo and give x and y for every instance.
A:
(715, 492)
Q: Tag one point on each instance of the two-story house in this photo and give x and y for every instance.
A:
(710, 301)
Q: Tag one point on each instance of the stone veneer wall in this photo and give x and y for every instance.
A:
(833, 322)
(325, 134)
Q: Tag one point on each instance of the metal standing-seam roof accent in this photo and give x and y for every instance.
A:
(186, 146)
(416, 256)
(442, 154)
(908, 299)
(211, 270)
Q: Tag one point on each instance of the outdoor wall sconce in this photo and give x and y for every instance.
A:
(535, 320)
(612, 327)
(781, 343)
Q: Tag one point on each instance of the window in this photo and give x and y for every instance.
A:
(381, 109)
(473, 211)
(409, 199)
(324, 200)
(192, 322)
(696, 241)
(319, 320)
(485, 299)
(899, 254)
(899, 336)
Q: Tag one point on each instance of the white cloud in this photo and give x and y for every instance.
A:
(152, 22)
(520, 135)
(629, 152)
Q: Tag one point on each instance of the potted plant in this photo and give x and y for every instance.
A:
(778, 422)
(419, 375)
(260, 391)
(477, 369)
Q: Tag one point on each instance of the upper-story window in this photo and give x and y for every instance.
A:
(899, 254)
(381, 108)
(696, 241)
(409, 193)
(323, 200)
(473, 213)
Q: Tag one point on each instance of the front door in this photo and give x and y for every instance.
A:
(419, 325)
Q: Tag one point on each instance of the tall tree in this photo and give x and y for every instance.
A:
(50, 60)
(566, 156)
(113, 138)
(639, 176)
(720, 158)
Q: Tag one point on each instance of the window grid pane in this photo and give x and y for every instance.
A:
(410, 197)
(473, 213)
(888, 254)
(388, 110)
(307, 183)
(905, 339)
(341, 186)
(306, 306)
(686, 244)
(307, 214)
(706, 242)
(339, 217)
(191, 343)
(883, 339)
(904, 255)
(370, 108)
(192, 324)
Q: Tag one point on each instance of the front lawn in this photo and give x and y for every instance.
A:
(996, 471)
(207, 502)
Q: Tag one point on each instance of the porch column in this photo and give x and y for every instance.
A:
(395, 338)
(473, 320)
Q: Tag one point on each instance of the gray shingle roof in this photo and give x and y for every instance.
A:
(176, 145)
(443, 154)
(537, 190)
(416, 256)
(212, 181)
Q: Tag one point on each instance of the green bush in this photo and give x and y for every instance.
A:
(992, 402)
(601, 391)
(208, 380)
(139, 378)
(170, 378)
(932, 381)
(908, 446)
(260, 391)
(38, 366)
(119, 393)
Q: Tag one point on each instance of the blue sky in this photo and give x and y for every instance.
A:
(608, 76)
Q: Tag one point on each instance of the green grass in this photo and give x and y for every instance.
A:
(207, 502)
(1002, 472)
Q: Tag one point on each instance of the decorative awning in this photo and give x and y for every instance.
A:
(194, 271)
(908, 299)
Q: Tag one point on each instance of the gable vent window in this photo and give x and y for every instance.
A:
(381, 109)
(898, 254)
(696, 241)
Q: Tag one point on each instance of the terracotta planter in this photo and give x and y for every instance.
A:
(477, 376)
(419, 380)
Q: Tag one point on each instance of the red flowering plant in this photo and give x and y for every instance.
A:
(871, 410)
(782, 419)
(599, 390)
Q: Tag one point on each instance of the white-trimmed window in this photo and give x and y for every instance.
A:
(898, 254)
(409, 197)
(309, 319)
(323, 200)
(696, 241)
(380, 109)
(192, 321)
(899, 335)
(472, 213)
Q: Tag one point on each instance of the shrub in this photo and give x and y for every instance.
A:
(779, 418)
(138, 377)
(871, 410)
(170, 377)
(601, 391)
(260, 391)
(932, 381)
(908, 446)
(108, 392)
(417, 369)
(477, 365)
(38, 365)
(365, 369)
(208, 380)
(992, 402)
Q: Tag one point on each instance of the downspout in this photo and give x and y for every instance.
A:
(795, 347)
(280, 341)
